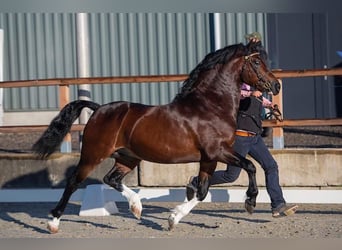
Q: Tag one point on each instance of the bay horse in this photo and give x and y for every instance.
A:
(197, 126)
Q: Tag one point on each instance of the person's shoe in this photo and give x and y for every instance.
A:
(190, 189)
(284, 211)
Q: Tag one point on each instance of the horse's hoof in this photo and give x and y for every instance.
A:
(249, 206)
(171, 221)
(52, 227)
(136, 212)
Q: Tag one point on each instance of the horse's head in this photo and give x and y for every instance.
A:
(255, 72)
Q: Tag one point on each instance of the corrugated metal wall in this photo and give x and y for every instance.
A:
(43, 45)
(145, 44)
(36, 46)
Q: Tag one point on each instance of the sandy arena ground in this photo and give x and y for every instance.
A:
(207, 220)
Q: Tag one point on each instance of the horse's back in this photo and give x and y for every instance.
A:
(110, 117)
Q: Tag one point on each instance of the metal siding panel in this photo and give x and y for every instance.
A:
(230, 30)
(31, 51)
(12, 40)
(181, 45)
(133, 56)
(162, 56)
(95, 53)
(47, 56)
(240, 27)
(48, 42)
(170, 21)
(69, 45)
(115, 57)
(124, 64)
(142, 55)
(152, 57)
(40, 41)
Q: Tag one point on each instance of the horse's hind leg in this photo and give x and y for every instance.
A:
(123, 165)
(89, 160)
(80, 173)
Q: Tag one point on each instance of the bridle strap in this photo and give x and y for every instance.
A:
(260, 77)
(251, 55)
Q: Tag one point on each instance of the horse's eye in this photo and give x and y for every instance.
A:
(257, 62)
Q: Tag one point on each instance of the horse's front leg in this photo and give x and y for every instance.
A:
(114, 179)
(205, 173)
(180, 211)
(133, 200)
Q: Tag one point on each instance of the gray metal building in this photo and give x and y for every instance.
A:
(43, 45)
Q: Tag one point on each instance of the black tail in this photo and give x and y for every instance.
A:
(60, 126)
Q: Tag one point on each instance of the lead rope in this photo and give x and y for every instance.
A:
(275, 112)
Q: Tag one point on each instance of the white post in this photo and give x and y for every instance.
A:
(1, 75)
(217, 31)
(84, 90)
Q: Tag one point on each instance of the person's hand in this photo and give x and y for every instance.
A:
(256, 93)
(254, 40)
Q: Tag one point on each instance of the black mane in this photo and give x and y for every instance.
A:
(220, 56)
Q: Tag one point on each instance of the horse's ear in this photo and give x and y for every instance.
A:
(253, 47)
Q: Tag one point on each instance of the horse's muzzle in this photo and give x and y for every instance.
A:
(275, 88)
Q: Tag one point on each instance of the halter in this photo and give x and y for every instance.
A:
(251, 55)
(260, 77)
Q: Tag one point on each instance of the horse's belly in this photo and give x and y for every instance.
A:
(161, 152)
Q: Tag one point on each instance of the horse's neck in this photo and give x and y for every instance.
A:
(220, 86)
(229, 99)
(227, 88)
(223, 86)
(223, 99)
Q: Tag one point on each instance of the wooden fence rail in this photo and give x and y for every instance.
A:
(266, 123)
(152, 78)
(64, 95)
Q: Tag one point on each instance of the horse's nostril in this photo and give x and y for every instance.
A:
(277, 86)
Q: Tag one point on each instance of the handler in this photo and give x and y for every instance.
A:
(248, 140)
